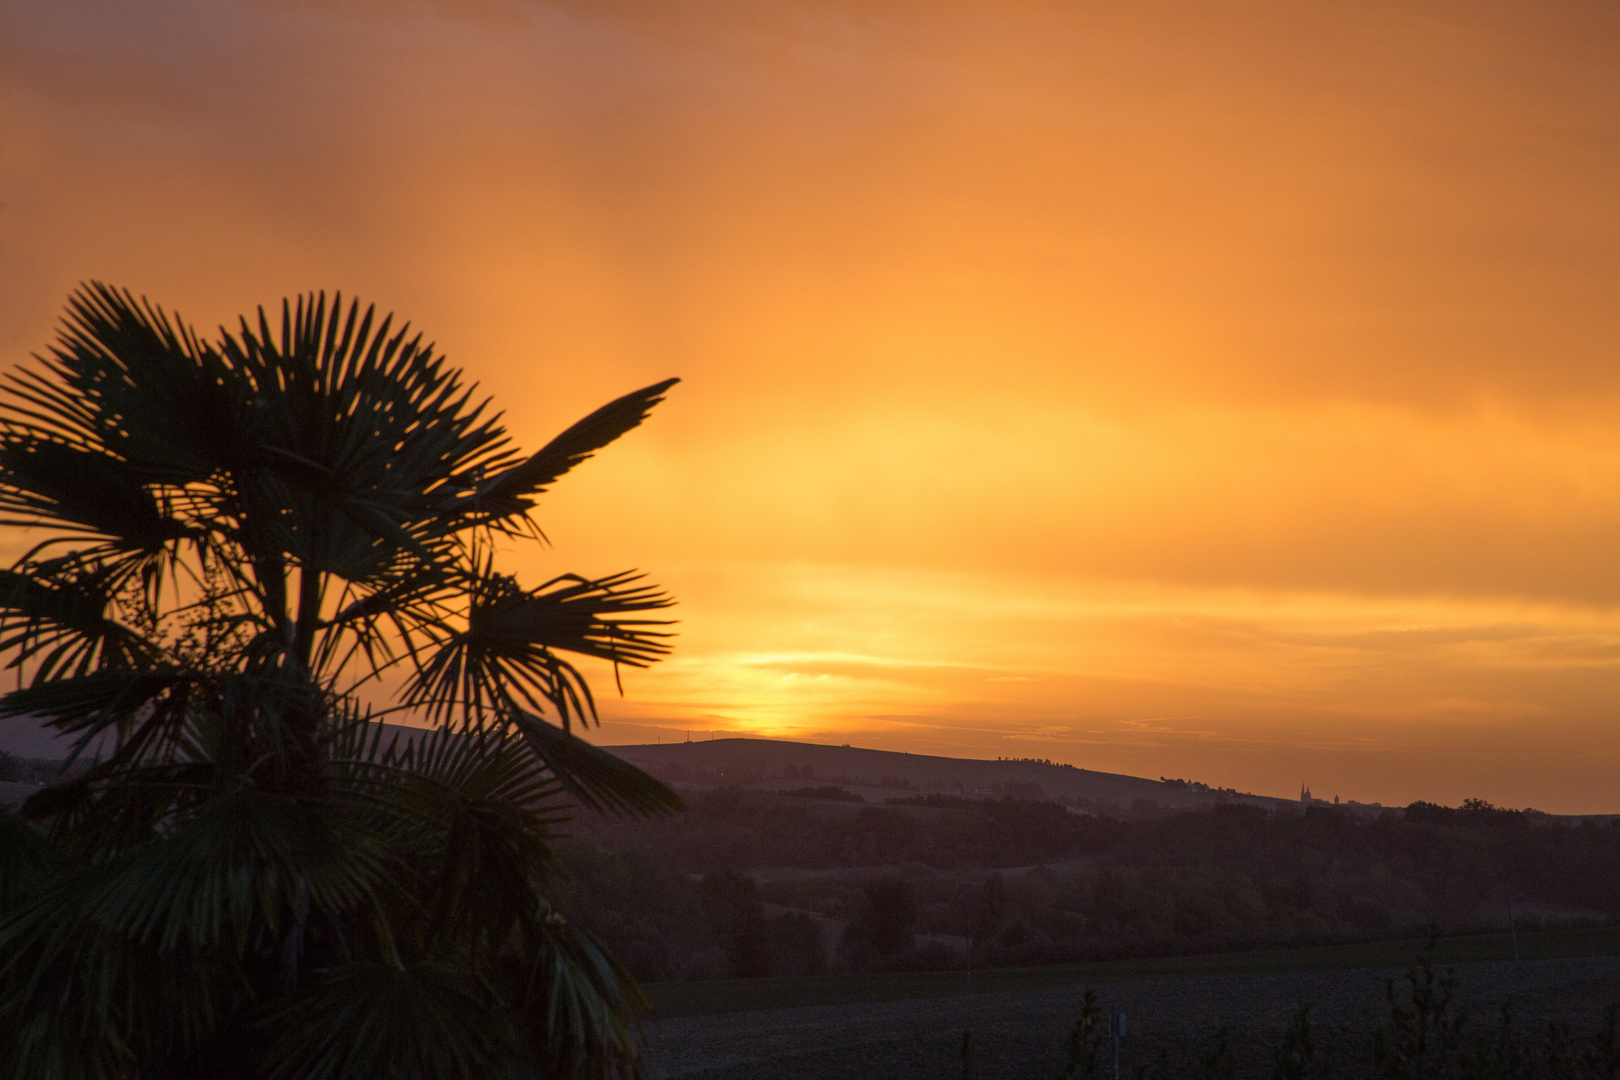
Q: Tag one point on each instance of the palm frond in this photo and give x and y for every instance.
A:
(60, 621)
(126, 380)
(596, 778)
(512, 491)
(368, 1020)
(88, 492)
(387, 619)
(473, 812)
(115, 807)
(27, 861)
(580, 1004)
(243, 859)
(114, 1009)
(367, 424)
(140, 704)
(507, 655)
(149, 714)
(481, 765)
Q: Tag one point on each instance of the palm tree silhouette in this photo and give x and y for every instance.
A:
(244, 543)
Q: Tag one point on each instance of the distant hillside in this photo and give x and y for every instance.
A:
(773, 765)
(769, 764)
(769, 871)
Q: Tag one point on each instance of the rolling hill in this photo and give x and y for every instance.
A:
(772, 765)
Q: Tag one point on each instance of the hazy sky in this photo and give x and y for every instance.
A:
(1220, 390)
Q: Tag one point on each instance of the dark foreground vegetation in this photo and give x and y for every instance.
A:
(1316, 1013)
(755, 883)
(1425, 1036)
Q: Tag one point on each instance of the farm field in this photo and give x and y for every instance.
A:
(909, 1026)
(719, 996)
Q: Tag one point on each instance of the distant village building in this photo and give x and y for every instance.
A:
(1304, 794)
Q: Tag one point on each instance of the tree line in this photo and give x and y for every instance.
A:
(909, 887)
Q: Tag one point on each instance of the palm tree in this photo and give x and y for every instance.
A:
(252, 551)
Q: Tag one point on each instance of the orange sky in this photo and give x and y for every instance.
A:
(1223, 390)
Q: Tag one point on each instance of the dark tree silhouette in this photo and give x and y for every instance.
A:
(737, 917)
(886, 923)
(242, 543)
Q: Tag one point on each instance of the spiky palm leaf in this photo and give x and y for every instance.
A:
(235, 538)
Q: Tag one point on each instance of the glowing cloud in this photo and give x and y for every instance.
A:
(1223, 392)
